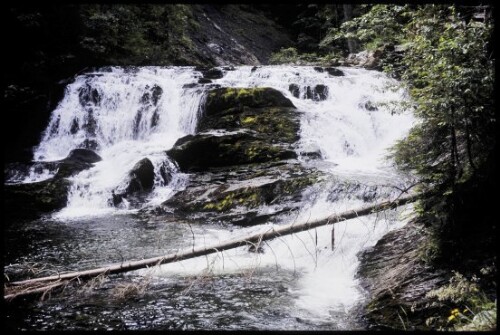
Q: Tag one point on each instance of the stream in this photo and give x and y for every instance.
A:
(297, 282)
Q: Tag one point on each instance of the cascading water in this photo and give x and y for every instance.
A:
(126, 115)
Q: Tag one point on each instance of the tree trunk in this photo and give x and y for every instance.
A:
(256, 239)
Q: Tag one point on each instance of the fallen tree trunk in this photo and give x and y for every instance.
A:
(254, 239)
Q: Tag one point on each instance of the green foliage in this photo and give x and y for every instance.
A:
(445, 61)
(292, 56)
(472, 309)
(285, 55)
(136, 34)
(380, 25)
(450, 78)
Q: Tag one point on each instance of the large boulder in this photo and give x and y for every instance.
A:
(211, 73)
(240, 126)
(33, 199)
(244, 159)
(141, 180)
(203, 151)
(82, 156)
(142, 177)
(222, 99)
(265, 111)
(76, 161)
(241, 194)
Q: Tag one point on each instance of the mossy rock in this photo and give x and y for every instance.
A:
(203, 151)
(33, 199)
(237, 195)
(252, 197)
(221, 99)
(252, 194)
(263, 110)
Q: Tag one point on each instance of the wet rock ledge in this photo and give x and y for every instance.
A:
(397, 280)
(241, 160)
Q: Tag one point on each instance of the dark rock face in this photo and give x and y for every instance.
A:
(83, 155)
(316, 93)
(34, 199)
(76, 161)
(397, 279)
(221, 41)
(212, 73)
(203, 151)
(222, 99)
(243, 158)
(141, 177)
(334, 72)
(295, 90)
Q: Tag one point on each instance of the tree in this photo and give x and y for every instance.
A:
(448, 71)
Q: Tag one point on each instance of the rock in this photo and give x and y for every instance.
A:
(317, 93)
(334, 72)
(213, 73)
(76, 161)
(318, 69)
(265, 111)
(397, 279)
(370, 106)
(311, 155)
(204, 81)
(320, 92)
(141, 177)
(141, 180)
(236, 195)
(224, 98)
(34, 199)
(295, 90)
(203, 151)
(83, 155)
(244, 159)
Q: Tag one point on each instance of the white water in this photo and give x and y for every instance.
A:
(351, 139)
(129, 125)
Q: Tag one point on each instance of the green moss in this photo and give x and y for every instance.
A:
(248, 197)
(248, 120)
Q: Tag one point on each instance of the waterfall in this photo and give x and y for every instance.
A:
(124, 115)
(346, 120)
